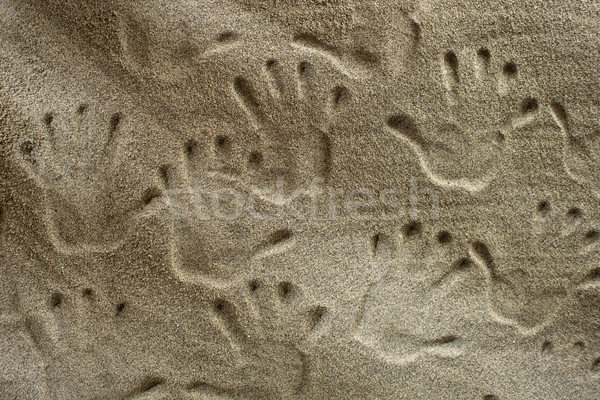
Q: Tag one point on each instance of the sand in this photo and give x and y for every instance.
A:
(276, 199)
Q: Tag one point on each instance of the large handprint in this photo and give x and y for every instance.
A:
(225, 188)
(463, 148)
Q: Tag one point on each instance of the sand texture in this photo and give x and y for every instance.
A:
(317, 199)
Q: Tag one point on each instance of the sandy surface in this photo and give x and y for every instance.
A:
(321, 199)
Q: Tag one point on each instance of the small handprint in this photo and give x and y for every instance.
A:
(520, 293)
(428, 271)
(74, 166)
(217, 226)
(291, 116)
(462, 149)
(268, 331)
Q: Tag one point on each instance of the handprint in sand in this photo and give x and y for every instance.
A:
(462, 147)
